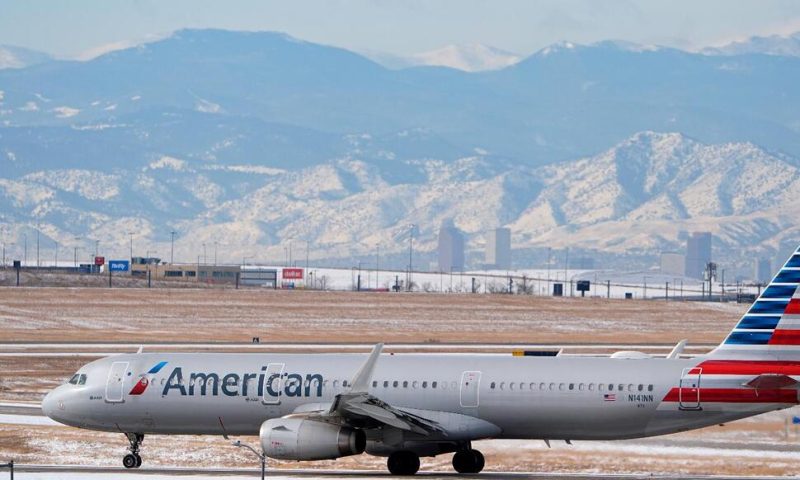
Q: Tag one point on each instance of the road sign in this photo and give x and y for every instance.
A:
(796, 420)
(99, 260)
(119, 265)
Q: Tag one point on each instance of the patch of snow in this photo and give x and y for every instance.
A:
(11, 155)
(29, 107)
(111, 107)
(206, 106)
(257, 169)
(169, 163)
(41, 97)
(27, 420)
(65, 112)
(136, 98)
(89, 184)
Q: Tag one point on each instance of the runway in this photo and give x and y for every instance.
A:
(41, 472)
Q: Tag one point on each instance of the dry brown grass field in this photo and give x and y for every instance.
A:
(756, 446)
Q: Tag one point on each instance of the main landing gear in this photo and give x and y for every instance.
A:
(133, 460)
(403, 463)
(468, 461)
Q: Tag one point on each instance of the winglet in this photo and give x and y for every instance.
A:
(362, 378)
(676, 352)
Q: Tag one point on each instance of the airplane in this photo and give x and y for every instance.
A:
(326, 406)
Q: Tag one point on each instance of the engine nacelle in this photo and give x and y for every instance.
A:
(302, 439)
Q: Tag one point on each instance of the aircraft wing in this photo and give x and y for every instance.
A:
(358, 407)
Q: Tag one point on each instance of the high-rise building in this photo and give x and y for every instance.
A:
(498, 249)
(673, 263)
(698, 254)
(451, 248)
(763, 270)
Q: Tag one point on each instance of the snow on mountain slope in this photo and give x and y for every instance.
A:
(470, 58)
(18, 57)
(639, 196)
(781, 45)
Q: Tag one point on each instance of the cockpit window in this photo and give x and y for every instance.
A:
(78, 379)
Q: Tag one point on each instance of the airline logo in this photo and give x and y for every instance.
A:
(143, 382)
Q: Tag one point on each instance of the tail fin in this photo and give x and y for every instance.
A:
(770, 330)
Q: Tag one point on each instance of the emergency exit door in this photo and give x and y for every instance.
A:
(116, 382)
(470, 389)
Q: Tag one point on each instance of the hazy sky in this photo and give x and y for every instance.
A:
(72, 28)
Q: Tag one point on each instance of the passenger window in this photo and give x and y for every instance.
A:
(415, 384)
(591, 387)
(572, 386)
(552, 386)
(344, 383)
(532, 386)
(405, 384)
(630, 387)
(492, 386)
(650, 388)
(621, 387)
(433, 385)
(386, 384)
(561, 386)
(374, 383)
(601, 386)
(542, 386)
(502, 385)
(581, 386)
(641, 387)
(394, 384)
(336, 384)
(610, 387)
(511, 386)
(424, 384)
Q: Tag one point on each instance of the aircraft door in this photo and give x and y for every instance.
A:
(470, 389)
(116, 381)
(689, 389)
(273, 384)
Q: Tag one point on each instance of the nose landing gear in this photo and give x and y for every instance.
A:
(133, 460)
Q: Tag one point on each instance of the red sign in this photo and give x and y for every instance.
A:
(293, 273)
(99, 260)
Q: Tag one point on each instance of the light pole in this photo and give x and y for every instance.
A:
(25, 256)
(377, 264)
(205, 259)
(244, 260)
(172, 246)
(131, 238)
(410, 253)
(56, 253)
(644, 294)
(38, 226)
(96, 248)
(215, 252)
(262, 457)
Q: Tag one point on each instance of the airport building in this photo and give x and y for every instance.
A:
(698, 254)
(762, 271)
(498, 249)
(193, 272)
(673, 263)
(451, 248)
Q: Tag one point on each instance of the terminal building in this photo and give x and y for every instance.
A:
(498, 249)
(190, 272)
(451, 248)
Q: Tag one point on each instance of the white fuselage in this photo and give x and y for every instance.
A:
(560, 397)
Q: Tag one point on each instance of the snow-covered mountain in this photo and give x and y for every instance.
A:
(781, 45)
(639, 196)
(18, 57)
(469, 58)
(474, 57)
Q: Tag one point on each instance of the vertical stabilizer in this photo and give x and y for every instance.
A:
(770, 330)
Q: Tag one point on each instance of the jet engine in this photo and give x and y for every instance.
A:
(303, 439)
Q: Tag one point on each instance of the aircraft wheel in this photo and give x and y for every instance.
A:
(138, 460)
(129, 461)
(468, 461)
(403, 463)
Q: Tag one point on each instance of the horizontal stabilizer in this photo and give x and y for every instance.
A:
(771, 381)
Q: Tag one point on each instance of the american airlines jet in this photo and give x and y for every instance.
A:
(325, 406)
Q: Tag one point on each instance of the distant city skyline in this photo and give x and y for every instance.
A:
(87, 28)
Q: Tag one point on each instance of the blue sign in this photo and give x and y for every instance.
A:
(796, 420)
(119, 265)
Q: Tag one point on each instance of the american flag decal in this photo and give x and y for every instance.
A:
(610, 397)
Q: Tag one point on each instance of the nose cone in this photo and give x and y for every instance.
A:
(52, 404)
